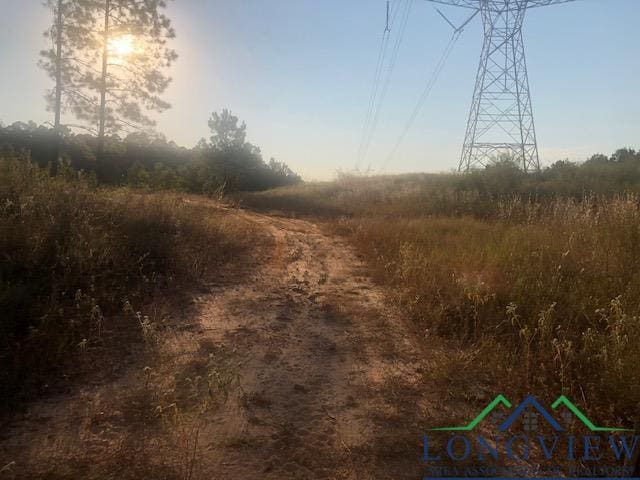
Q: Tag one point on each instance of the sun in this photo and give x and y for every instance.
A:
(122, 46)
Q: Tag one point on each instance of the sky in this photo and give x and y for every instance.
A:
(300, 72)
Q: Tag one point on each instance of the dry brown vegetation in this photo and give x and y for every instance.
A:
(95, 273)
(542, 293)
(168, 336)
(279, 367)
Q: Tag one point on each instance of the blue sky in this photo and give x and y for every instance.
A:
(299, 72)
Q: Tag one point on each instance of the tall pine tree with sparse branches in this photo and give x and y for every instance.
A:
(71, 25)
(117, 65)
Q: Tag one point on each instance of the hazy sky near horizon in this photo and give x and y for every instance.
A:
(299, 72)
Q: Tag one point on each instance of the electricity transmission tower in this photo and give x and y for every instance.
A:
(501, 119)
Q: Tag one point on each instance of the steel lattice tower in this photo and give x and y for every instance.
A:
(501, 119)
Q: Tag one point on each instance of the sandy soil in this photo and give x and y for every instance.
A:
(323, 378)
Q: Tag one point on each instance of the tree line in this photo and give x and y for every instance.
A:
(108, 61)
(599, 174)
(225, 162)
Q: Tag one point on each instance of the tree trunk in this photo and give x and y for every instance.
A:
(103, 82)
(58, 102)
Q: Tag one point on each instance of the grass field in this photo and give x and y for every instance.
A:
(543, 293)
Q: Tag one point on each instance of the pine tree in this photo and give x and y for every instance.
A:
(68, 32)
(116, 64)
(226, 133)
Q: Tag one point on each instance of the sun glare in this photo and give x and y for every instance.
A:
(122, 46)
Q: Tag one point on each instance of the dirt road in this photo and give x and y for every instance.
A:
(324, 380)
(330, 376)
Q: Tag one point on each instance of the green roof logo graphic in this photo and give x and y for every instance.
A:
(527, 402)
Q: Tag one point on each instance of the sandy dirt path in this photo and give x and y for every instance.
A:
(334, 383)
(327, 382)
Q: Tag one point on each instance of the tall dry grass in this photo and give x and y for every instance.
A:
(546, 291)
(81, 268)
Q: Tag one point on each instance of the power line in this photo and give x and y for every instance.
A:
(370, 127)
(390, 20)
(389, 76)
(425, 94)
(374, 92)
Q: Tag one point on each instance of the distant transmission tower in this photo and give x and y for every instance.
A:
(501, 119)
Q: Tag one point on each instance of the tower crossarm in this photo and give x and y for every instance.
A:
(499, 5)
